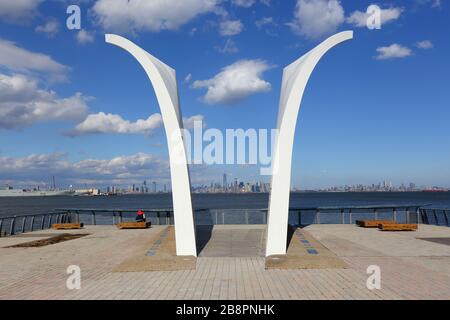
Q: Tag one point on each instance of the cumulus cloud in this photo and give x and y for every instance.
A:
(230, 27)
(84, 37)
(235, 82)
(18, 11)
(316, 18)
(359, 18)
(393, 51)
(101, 123)
(425, 44)
(50, 28)
(23, 103)
(16, 58)
(154, 16)
(112, 123)
(38, 168)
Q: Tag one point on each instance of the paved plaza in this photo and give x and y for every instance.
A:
(230, 265)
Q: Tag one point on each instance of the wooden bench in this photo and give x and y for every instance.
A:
(65, 226)
(372, 223)
(398, 227)
(133, 225)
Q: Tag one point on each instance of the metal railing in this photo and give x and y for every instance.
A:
(435, 215)
(297, 216)
(12, 225)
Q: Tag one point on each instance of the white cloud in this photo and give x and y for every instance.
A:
(50, 28)
(18, 59)
(38, 168)
(393, 51)
(316, 18)
(244, 3)
(84, 37)
(18, 11)
(22, 103)
(230, 27)
(359, 18)
(154, 16)
(235, 82)
(101, 123)
(425, 44)
(112, 123)
(229, 47)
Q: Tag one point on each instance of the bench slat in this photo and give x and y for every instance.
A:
(398, 227)
(133, 225)
(64, 226)
(373, 223)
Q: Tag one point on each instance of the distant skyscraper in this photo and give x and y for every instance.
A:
(224, 182)
(154, 187)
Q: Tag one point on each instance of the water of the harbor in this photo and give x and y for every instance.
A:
(35, 205)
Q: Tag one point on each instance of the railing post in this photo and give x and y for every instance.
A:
(407, 216)
(167, 218)
(318, 216)
(264, 213)
(120, 216)
(1, 225)
(246, 217)
(435, 217)
(350, 216)
(114, 218)
(375, 212)
(217, 217)
(342, 216)
(419, 215)
(93, 218)
(12, 227)
(50, 221)
(158, 217)
(24, 221)
(42, 222)
(445, 217)
(223, 217)
(32, 223)
(394, 214)
(299, 217)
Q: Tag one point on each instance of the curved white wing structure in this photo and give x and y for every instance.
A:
(295, 78)
(163, 79)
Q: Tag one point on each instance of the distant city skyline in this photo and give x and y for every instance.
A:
(242, 186)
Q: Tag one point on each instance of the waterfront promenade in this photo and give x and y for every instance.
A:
(411, 268)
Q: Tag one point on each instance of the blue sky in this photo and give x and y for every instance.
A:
(376, 108)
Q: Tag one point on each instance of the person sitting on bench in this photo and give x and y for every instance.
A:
(140, 216)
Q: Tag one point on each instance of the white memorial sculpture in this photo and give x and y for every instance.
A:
(295, 78)
(163, 79)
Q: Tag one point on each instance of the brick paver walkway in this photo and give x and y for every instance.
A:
(410, 269)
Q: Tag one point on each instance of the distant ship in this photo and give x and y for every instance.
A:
(10, 192)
